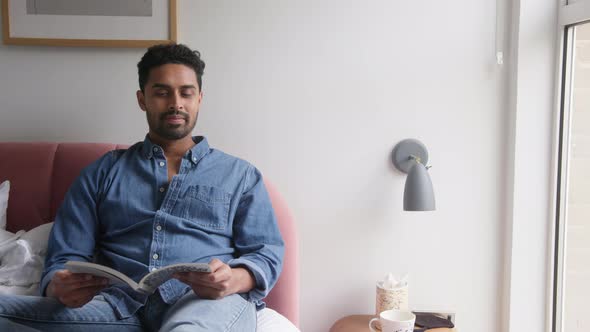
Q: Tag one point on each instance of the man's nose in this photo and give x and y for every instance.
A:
(178, 108)
(175, 104)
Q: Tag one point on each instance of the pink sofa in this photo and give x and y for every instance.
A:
(41, 173)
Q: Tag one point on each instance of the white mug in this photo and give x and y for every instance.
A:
(395, 321)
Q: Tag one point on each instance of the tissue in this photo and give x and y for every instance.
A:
(390, 281)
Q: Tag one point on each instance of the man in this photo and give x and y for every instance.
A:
(169, 199)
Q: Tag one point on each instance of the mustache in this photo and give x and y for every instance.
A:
(184, 115)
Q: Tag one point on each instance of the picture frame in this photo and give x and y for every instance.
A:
(22, 26)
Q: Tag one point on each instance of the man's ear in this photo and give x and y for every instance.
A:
(200, 97)
(141, 100)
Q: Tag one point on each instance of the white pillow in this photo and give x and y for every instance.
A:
(269, 320)
(7, 237)
(38, 238)
(21, 260)
(4, 189)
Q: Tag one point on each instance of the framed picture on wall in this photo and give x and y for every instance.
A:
(101, 23)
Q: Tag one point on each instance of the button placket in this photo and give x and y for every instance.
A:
(162, 187)
(173, 192)
(156, 245)
(161, 173)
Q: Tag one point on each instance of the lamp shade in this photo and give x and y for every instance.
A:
(418, 192)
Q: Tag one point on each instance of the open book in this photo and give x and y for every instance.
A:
(148, 284)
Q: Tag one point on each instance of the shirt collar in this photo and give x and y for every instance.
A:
(195, 154)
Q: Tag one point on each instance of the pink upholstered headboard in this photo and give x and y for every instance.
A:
(41, 173)
(284, 297)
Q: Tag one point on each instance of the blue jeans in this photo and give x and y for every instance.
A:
(189, 313)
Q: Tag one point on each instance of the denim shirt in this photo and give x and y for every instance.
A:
(123, 213)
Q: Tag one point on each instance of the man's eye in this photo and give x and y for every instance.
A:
(187, 95)
(161, 93)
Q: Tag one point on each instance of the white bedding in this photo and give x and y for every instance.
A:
(21, 260)
(269, 320)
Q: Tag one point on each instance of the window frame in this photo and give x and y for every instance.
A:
(562, 184)
(570, 14)
(535, 68)
(573, 13)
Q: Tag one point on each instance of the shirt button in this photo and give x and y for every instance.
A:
(162, 189)
(154, 269)
(194, 159)
(158, 228)
(155, 256)
(162, 163)
(155, 149)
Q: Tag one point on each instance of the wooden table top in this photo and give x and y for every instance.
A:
(360, 323)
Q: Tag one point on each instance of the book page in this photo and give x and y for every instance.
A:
(101, 271)
(150, 282)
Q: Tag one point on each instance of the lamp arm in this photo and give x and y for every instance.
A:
(415, 158)
(418, 160)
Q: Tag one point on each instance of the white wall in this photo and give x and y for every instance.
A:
(316, 94)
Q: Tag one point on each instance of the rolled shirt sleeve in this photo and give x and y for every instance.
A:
(257, 238)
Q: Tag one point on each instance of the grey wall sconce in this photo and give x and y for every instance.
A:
(410, 156)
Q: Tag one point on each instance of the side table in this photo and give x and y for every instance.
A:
(360, 323)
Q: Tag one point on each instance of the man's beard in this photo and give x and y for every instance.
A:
(171, 131)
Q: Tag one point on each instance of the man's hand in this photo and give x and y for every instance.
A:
(220, 282)
(74, 289)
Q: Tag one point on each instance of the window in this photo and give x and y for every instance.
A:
(572, 235)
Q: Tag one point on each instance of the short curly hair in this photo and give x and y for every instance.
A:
(162, 54)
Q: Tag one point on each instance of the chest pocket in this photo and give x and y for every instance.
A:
(208, 207)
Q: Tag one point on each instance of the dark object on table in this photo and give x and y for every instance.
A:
(431, 321)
